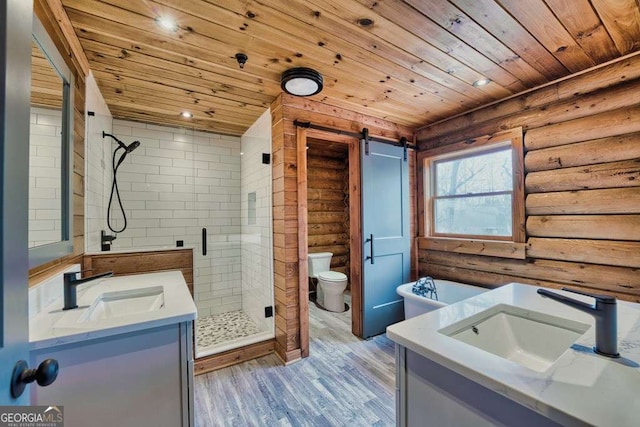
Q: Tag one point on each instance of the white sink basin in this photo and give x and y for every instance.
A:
(531, 339)
(124, 303)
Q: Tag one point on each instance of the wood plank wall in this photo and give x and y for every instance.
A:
(582, 184)
(328, 201)
(284, 110)
(50, 23)
(125, 263)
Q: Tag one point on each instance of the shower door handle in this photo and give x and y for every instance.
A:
(204, 241)
(370, 241)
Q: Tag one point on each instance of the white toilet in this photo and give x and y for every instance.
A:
(331, 284)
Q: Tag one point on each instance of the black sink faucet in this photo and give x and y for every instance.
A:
(70, 284)
(605, 313)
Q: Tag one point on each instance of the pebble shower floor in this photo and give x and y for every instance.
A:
(219, 328)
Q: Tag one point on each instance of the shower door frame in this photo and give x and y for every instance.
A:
(355, 229)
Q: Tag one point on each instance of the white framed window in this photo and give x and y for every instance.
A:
(474, 190)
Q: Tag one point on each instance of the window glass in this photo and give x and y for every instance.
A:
(473, 194)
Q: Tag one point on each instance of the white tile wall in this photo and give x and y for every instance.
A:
(45, 176)
(97, 181)
(257, 257)
(172, 186)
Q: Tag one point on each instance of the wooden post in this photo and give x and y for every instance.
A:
(355, 237)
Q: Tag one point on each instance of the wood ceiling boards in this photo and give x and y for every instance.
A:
(414, 65)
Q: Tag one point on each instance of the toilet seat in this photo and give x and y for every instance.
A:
(332, 276)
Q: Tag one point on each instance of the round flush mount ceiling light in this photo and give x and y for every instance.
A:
(186, 114)
(481, 82)
(301, 81)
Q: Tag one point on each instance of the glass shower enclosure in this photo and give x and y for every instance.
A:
(202, 190)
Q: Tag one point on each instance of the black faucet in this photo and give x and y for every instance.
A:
(70, 284)
(605, 313)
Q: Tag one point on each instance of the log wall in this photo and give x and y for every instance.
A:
(290, 337)
(582, 184)
(328, 202)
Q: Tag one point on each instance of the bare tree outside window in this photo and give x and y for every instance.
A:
(473, 194)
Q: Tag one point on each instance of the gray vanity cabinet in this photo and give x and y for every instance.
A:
(141, 378)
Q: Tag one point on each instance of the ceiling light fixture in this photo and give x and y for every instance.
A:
(167, 23)
(301, 81)
(481, 82)
(365, 22)
(242, 59)
(186, 114)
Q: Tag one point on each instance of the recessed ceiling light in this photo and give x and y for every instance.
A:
(186, 114)
(167, 23)
(481, 82)
(365, 22)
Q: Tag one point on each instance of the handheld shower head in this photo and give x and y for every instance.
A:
(132, 146)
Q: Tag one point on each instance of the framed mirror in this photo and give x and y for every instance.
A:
(50, 152)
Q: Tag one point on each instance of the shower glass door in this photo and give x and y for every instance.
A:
(233, 258)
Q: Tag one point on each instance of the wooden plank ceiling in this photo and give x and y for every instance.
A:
(414, 64)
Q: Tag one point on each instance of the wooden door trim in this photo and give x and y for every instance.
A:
(303, 240)
(355, 234)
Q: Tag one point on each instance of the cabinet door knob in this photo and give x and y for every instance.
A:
(44, 375)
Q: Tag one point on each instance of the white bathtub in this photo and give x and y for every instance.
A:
(448, 293)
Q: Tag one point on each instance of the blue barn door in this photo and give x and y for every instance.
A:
(385, 231)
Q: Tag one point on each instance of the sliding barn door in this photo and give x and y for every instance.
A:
(385, 231)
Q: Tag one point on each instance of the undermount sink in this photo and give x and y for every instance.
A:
(124, 303)
(532, 339)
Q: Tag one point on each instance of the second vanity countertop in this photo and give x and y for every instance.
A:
(579, 388)
(53, 327)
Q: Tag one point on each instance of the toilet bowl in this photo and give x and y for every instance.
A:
(331, 284)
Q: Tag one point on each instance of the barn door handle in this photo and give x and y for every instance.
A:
(370, 241)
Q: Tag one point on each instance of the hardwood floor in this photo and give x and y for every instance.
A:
(344, 381)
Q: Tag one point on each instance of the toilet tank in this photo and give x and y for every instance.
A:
(319, 262)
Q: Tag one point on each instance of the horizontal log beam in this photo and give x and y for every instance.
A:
(330, 206)
(478, 247)
(328, 239)
(605, 252)
(609, 278)
(325, 217)
(607, 201)
(609, 123)
(612, 227)
(492, 280)
(327, 228)
(595, 151)
(606, 175)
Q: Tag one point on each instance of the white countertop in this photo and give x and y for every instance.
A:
(580, 387)
(53, 327)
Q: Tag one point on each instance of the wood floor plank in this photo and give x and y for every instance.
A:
(344, 381)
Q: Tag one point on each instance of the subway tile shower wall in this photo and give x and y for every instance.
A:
(97, 179)
(177, 182)
(44, 176)
(257, 259)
